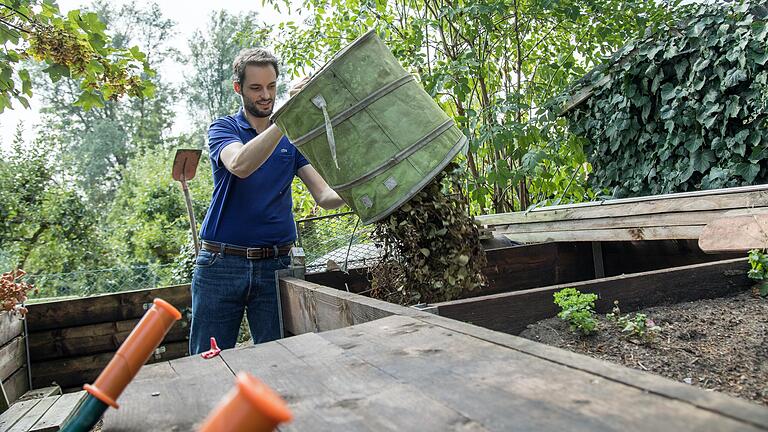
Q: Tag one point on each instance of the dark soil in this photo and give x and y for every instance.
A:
(719, 344)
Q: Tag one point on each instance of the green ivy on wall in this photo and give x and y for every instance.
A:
(682, 109)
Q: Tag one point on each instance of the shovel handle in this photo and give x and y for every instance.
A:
(191, 213)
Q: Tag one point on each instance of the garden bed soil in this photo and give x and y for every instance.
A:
(717, 344)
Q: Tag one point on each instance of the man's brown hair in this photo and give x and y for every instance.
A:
(255, 57)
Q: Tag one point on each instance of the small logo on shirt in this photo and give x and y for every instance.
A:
(283, 150)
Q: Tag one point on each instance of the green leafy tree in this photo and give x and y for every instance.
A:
(95, 144)
(148, 220)
(45, 226)
(75, 45)
(493, 65)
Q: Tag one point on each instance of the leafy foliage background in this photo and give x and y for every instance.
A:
(682, 109)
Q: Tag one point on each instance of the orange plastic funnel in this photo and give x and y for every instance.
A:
(134, 352)
(250, 407)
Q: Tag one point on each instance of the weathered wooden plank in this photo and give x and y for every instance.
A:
(299, 383)
(15, 413)
(620, 234)
(309, 307)
(10, 327)
(171, 396)
(714, 199)
(735, 234)
(328, 390)
(102, 308)
(512, 312)
(59, 413)
(91, 339)
(715, 402)
(12, 357)
(17, 384)
(629, 221)
(76, 371)
(582, 95)
(483, 379)
(41, 393)
(33, 415)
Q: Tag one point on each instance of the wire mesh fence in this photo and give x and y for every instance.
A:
(331, 242)
(108, 280)
(337, 241)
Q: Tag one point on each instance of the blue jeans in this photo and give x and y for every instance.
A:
(223, 287)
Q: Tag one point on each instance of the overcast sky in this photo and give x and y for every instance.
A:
(189, 16)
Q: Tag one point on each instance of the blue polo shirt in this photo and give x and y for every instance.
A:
(255, 211)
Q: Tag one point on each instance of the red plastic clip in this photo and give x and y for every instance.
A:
(213, 352)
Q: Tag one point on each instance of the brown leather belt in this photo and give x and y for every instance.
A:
(249, 253)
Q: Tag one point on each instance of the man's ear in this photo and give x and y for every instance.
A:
(238, 88)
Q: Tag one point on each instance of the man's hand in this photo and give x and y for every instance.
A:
(296, 88)
(324, 196)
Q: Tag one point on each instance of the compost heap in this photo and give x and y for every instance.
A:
(431, 246)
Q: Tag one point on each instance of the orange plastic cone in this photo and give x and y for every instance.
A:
(250, 407)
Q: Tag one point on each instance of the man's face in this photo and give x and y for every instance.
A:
(258, 88)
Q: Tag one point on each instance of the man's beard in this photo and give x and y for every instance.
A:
(254, 110)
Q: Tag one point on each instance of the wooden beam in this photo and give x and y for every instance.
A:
(92, 339)
(714, 199)
(512, 312)
(59, 413)
(621, 234)
(103, 308)
(25, 423)
(76, 371)
(41, 393)
(15, 413)
(10, 327)
(17, 384)
(12, 357)
(735, 234)
(309, 307)
(582, 95)
(672, 219)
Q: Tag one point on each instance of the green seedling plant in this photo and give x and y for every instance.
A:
(577, 309)
(637, 326)
(758, 261)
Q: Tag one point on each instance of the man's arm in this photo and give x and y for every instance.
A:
(324, 196)
(243, 159)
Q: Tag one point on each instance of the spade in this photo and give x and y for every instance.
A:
(184, 168)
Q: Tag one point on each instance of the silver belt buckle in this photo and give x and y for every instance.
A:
(253, 253)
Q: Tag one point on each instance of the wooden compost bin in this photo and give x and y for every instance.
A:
(13, 364)
(360, 364)
(70, 341)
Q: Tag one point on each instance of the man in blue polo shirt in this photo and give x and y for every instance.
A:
(249, 228)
